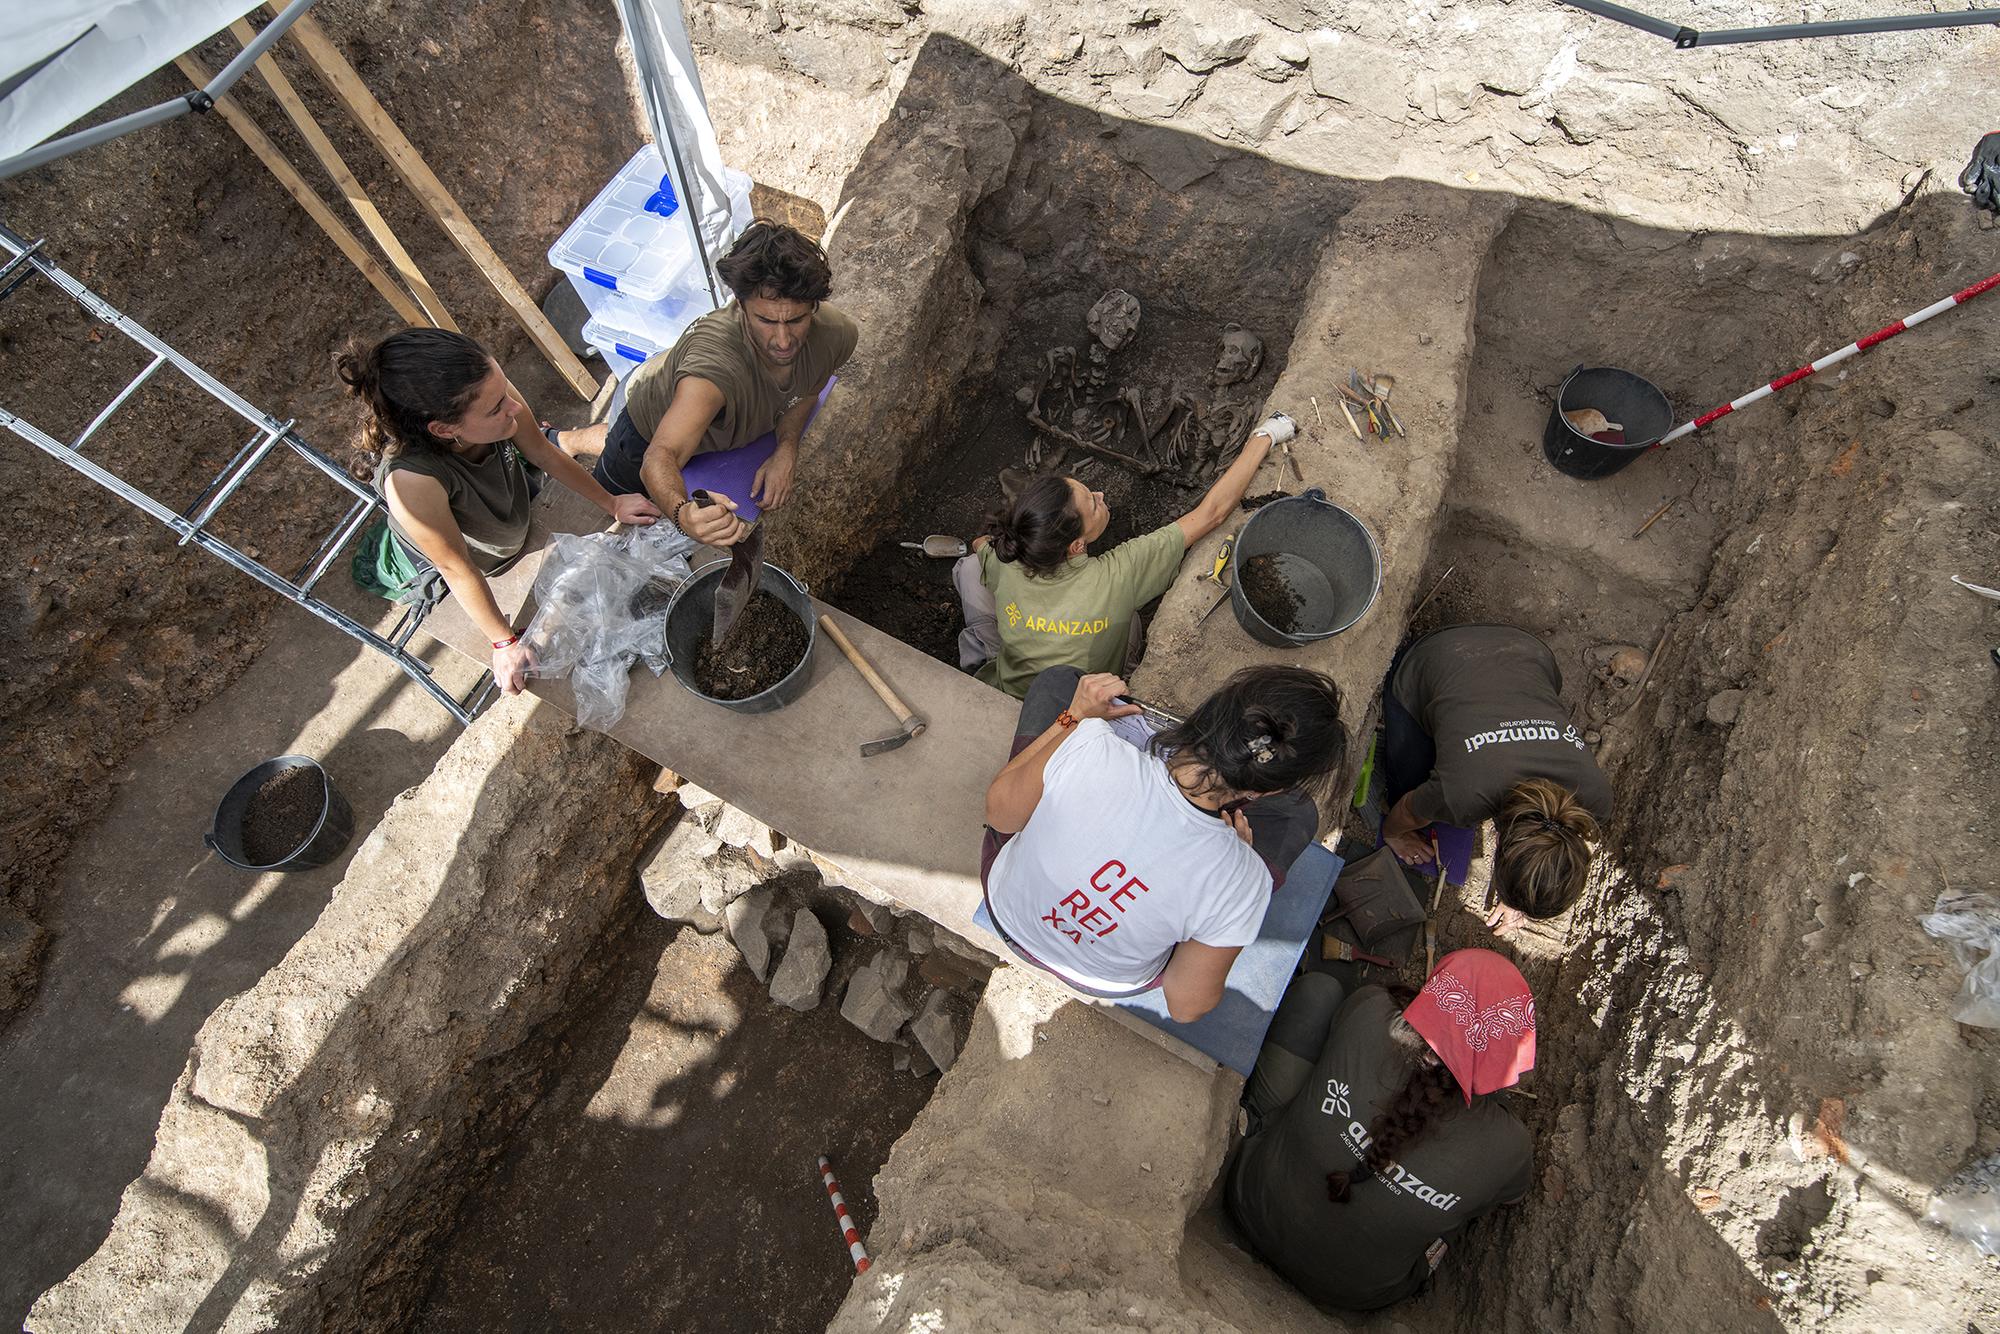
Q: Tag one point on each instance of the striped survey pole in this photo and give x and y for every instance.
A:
(1882, 335)
(855, 1249)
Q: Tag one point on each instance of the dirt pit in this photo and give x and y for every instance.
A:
(765, 646)
(1086, 211)
(669, 1181)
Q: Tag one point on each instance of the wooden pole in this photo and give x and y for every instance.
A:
(346, 85)
(288, 176)
(357, 198)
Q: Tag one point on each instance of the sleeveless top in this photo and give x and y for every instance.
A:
(489, 499)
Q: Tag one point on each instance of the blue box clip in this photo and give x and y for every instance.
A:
(630, 353)
(601, 279)
(662, 201)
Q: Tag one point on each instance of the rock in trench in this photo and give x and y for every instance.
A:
(932, 1028)
(1723, 706)
(745, 920)
(873, 1002)
(805, 965)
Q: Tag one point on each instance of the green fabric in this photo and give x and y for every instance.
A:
(381, 566)
(1081, 616)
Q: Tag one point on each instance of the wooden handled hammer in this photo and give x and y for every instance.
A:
(912, 724)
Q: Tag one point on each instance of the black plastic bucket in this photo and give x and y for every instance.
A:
(322, 845)
(691, 615)
(1622, 397)
(1325, 555)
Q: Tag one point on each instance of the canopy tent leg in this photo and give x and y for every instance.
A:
(346, 85)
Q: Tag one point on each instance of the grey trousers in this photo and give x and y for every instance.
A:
(1292, 1046)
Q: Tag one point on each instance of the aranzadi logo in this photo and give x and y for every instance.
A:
(1050, 626)
(1013, 616)
(1338, 1102)
(1524, 729)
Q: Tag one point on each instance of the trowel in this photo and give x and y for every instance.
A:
(939, 546)
(740, 580)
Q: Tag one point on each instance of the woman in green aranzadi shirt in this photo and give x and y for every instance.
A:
(1035, 598)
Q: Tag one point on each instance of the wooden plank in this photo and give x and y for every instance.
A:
(345, 84)
(308, 199)
(357, 198)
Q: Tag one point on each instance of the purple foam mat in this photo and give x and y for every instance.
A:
(730, 472)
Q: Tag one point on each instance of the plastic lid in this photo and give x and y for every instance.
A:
(630, 238)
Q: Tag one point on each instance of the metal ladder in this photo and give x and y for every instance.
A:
(26, 260)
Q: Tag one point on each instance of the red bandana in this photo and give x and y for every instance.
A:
(1478, 1016)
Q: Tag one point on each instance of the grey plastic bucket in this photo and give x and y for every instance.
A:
(692, 613)
(1635, 404)
(326, 841)
(1327, 557)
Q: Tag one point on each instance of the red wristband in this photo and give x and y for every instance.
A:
(1066, 720)
(506, 643)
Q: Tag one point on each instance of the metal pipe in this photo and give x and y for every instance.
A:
(201, 99)
(331, 469)
(1686, 38)
(1781, 32)
(118, 402)
(316, 565)
(264, 446)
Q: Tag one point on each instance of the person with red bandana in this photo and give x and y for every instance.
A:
(1374, 1138)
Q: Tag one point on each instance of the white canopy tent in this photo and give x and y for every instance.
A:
(62, 59)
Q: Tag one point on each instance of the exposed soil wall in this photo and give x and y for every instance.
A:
(332, 1117)
(1766, 1082)
(109, 631)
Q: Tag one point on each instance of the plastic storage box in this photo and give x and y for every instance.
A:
(629, 254)
(622, 350)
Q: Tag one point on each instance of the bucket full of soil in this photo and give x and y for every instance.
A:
(284, 815)
(1306, 569)
(1631, 416)
(765, 663)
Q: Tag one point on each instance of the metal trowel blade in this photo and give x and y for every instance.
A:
(745, 572)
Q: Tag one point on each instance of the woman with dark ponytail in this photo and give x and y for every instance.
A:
(1120, 867)
(1035, 597)
(447, 433)
(1474, 729)
(1373, 1139)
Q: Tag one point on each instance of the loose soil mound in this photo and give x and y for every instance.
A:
(283, 815)
(761, 649)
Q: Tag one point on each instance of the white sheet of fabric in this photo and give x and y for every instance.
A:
(678, 111)
(117, 43)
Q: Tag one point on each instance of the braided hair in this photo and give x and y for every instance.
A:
(1267, 729)
(1429, 1091)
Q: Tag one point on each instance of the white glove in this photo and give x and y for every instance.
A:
(1278, 426)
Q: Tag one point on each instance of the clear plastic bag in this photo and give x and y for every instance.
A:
(1971, 922)
(601, 603)
(1969, 1205)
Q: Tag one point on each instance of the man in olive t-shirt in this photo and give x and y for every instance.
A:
(754, 367)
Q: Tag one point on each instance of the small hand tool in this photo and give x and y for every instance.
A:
(1333, 947)
(1214, 576)
(939, 546)
(740, 580)
(912, 723)
(1160, 718)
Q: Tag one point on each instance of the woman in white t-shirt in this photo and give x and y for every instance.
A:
(1120, 868)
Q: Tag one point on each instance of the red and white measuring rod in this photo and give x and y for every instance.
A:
(855, 1250)
(1881, 335)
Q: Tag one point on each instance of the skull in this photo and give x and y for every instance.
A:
(1115, 318)
(1242, 353)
